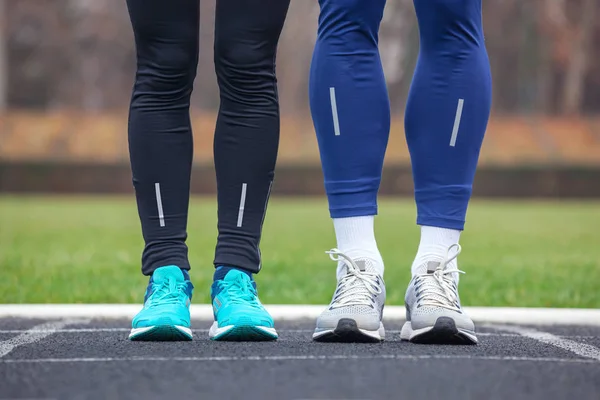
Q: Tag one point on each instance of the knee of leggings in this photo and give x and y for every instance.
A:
(246, 66)
(171, 71)
(347, 16)
(449, 23)
(448, 11)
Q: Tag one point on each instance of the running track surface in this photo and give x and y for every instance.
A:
(92, 359)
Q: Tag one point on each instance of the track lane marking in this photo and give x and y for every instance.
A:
(72, 330)
(281, 331)
(36, 334)
(580, 349)
(491, 315)
(298, 358)
(92, 330)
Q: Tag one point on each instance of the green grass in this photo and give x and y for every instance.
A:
(87, 250)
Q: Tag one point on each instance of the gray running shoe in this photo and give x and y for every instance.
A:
(356, 309)
(433, 311)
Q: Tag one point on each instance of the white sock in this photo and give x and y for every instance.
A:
(356, 238)
(434, 247)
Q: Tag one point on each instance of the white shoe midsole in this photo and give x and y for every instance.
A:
(216, 331)
(408, 333)
(138, 331)
(377, 334)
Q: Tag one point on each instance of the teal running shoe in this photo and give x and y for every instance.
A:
(166, 312)
(239, 314)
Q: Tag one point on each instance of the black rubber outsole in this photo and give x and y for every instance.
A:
(346, 331)
(443, 332)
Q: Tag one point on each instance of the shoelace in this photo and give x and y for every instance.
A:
(356, 287)
(169, 292)
(439, 289)
(241, 292)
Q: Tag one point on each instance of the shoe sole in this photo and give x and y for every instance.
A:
(242, 333)
(347, 331)
(444, 331)
(161, 333)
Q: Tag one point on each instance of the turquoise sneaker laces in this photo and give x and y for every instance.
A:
(241, 292)
(168, 292)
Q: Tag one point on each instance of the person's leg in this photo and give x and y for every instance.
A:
(245, 152)
(160, 146)
(351, 114)
(446, 118)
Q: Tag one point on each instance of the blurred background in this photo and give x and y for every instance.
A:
(66, 71)
(68, 65)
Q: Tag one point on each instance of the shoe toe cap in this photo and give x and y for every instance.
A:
(365, 317)
(245, 316)
(424, 317)
(161, 318)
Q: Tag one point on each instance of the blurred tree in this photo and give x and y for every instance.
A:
(399, 49)
(545, 54)
(569, 28)
(581, 49)
(3, 57)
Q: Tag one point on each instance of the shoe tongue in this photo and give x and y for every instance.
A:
(222, 271)
(235, 275)
(164, 273)
(427, 267)
(432, 266)
(240, 278)
(361, 264)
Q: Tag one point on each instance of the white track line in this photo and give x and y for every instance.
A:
(73, 330)
(299, 358)
(496, 315)
(93, 330)
(581, 349)
(35, 334)
(281, 331)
